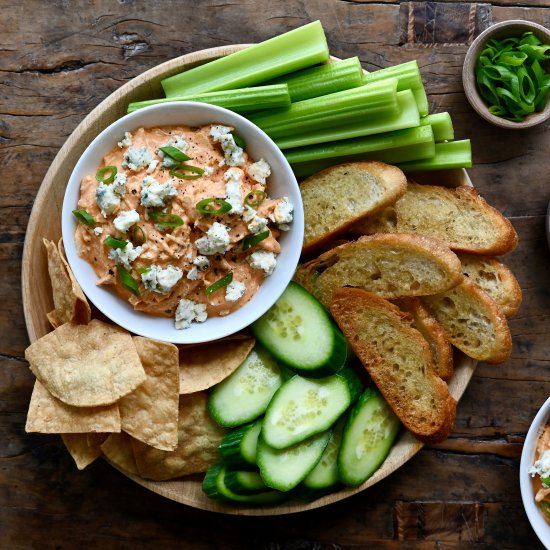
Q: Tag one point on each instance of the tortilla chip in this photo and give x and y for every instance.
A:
(198, 440)
(49, 415)
(68, 298)
(150, 413)
(86, 365)
(84, 448)
(202, 367)
(118, 450)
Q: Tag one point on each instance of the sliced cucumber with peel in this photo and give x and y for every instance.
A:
(283, 469)
(245, 394)
(303, 407)
(238, 447)
(367, 438)
(300, 333)
(244, 483)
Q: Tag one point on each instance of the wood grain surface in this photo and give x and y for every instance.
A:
(58, 60)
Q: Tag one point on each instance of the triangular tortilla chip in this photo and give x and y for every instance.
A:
(84, 448)
(118, 450)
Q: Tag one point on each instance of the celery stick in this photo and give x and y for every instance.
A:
(242, 100)
(389, 156)
(407, 74)
(421, 101)
(348, 147)
(449, 154)
(407, 118)
(317, 113)
(292, 51)
(441, 124)
(322, 80)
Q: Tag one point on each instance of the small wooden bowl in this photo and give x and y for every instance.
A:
(502, 30)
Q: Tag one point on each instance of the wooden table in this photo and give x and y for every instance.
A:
(59, 59)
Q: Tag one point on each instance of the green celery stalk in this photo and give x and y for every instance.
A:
(288, 52)
(441, 124)
(243, 100)
(407, 118)
(377, 99)
(421, 101)
(349, 147)
(407, 74)
(322, 80)
(449, 154)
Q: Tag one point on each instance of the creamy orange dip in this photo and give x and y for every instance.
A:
(174, 267)
(541, 470)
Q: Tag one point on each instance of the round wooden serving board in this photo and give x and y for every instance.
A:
(45, 222)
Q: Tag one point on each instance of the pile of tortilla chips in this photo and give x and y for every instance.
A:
(139, 402)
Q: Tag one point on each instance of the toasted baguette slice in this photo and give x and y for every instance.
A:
(392, 266)
(474, 323)
(495, 279)
(440, 347)
(458, 217)
(340, 196)
(398, 360)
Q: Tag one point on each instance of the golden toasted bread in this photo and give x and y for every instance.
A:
(458, 217)
(495, 279)
(336, 198)
(473, 322)
(398, 360)
(392, 266)
(440, 347)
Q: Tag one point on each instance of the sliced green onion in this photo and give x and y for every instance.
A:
(137, 235)
(546, 481)
(291, 51)
(143, 270)
(164, 219)
(106, 174)
(83, 217)
(239, 141)
(255, 198)
(253, 240)
(175, 172)
(220, 283)
(213, 206)
(115, 243)
(174, 153)
(127, 281)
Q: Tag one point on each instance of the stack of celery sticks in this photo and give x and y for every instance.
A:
(321, 114)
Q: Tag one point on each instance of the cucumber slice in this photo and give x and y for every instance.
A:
(246, 393)
(244, 483)
(303, 407)
(367, 439)
(238, 447)
(283, 469)
(325, 475)
(300, 333)
(214, 487)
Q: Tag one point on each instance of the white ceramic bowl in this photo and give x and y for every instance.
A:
(281, 183)
(541, 528)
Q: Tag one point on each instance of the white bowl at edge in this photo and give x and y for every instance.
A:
(282, 182)
(539, 524)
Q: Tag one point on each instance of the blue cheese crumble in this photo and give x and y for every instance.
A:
(259, 171)
(202, 263)
(126, 141)
(216, 240)
(263, 260)
(189, 311)
(161, 280)
(136, 158)
(154, 193)
(283, 213)
(125, 220)
(233, 154)
(233, 191)
(108, 196)
(256, 224)
(180, 143)
(125, 256)
(234, 291)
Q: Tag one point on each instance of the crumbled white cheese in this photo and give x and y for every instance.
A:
(257, 223)
(125, 220)
(234, 155)
(234, 291)
(208, 170)
(263, 260)
(136, 158)
(193, 273)
(542, 466)
(107, 199)
(161, 280)
(125, 256)
(126, 141)
(119, 185)
(282, 214)
(202, 262)
(259, 171)
(189, 311)
(152, 166)
(233, 191)
(154, 193)
(216, 240)
(98, 230)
